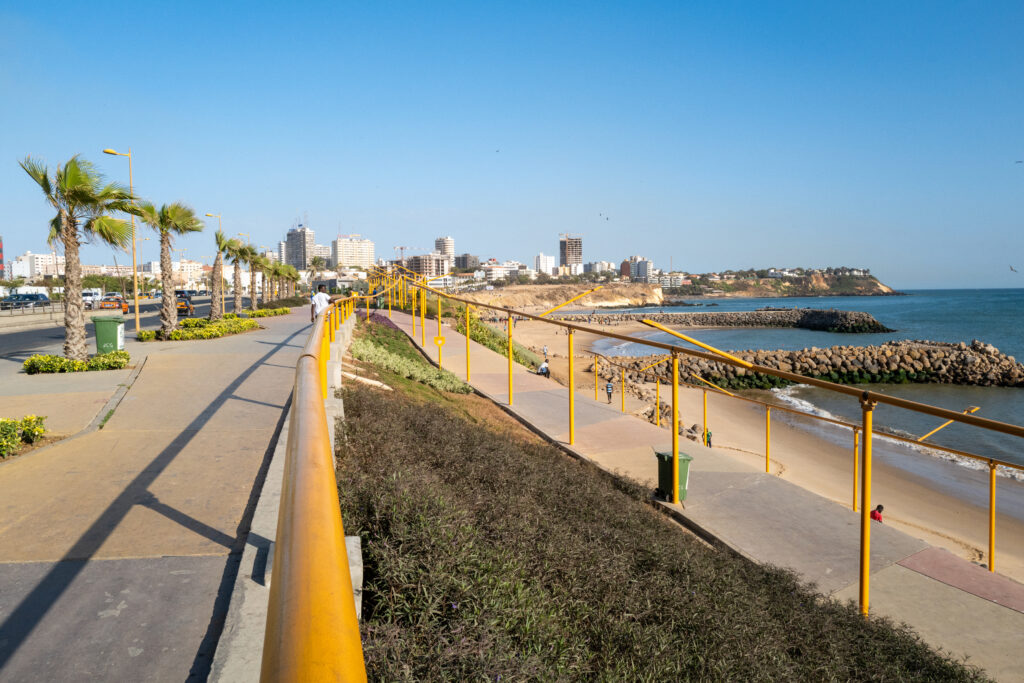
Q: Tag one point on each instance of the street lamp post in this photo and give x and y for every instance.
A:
(135, 268)
(223, 294)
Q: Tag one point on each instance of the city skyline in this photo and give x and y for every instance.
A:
(722, 138)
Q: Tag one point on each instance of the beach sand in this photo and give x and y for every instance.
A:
(812, 461)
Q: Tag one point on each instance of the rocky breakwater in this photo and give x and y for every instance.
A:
(806, 318)
(976, 364)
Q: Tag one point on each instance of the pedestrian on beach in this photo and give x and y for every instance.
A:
(876, 514)
(544, 369)
(545, 352)
(708, 439)
(609, 388)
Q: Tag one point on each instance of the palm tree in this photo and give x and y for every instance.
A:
(169, 220)
(222, 242)
(244, 254)
(255, 262)
(316, 265)
(291, 277)
(83, 203)
(236, 254)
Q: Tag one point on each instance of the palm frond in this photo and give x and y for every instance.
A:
(56, 223)
(113, 231)
(38, 172)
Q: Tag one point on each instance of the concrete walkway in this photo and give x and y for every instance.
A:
(118, 548)
(952, 603)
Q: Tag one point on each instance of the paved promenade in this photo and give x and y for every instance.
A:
(118, 547)
(952, 603)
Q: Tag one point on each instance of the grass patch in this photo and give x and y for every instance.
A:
(290, 302)
(488, 557)
(389, 349)
(106, 418)
(485, 335)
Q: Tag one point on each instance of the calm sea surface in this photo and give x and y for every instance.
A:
(995, 316)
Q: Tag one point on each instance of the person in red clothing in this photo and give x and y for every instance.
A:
(876, 514)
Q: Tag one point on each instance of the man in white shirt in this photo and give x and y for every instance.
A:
(320, 301)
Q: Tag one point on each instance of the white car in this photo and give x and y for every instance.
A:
(90, 299)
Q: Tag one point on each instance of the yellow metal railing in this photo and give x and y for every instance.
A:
(862, 435)
(312, 632)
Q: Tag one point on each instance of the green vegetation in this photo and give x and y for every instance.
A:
(46, 363)
(15, 434)
(388, 349)
(489, 555)
(293, 302)
(486, 335)
(266, 312)
(202, 328)
(106, 418)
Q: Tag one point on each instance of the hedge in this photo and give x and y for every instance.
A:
(201, 328)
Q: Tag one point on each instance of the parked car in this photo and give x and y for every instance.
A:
(24, 301)
(114, 301)
(90, 299)
(185, 304)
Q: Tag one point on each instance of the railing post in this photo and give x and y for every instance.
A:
(595, 377)
(622, 388)
(992, 515)
(867, 409)
(767, 439)
(423, 319)
(438, 329)
(675, 428)
(508, 325)
(705, 417)
(572, 395)
(657, 401)
(856, 465)
(467, 344)
(390, 290)
(413, 309)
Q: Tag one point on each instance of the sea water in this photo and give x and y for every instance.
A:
(995, 316)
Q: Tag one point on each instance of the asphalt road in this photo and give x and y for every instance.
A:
(18, 344)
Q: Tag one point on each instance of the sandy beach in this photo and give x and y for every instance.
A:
(813, 462)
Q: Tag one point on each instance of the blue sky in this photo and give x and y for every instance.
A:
(722, 135)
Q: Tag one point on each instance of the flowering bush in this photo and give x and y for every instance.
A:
(47, 363)
(266, 312)
(15, 433)
(212, 330)
(145, 335)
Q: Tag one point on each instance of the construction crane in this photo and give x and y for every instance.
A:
(400, 251)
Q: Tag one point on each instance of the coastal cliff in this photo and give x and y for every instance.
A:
(976, 364)
(616, 295)
(814, 284)
(808, 319)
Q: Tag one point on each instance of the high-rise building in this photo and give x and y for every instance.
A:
(429, 265)
(299, 249)
(323, 251)
(544, 264)
(352, 250)
(3, 272)
(446, 247)
(282, 252)
(466, 261)
(570, 249)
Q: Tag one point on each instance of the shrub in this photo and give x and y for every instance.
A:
(414, 369)
(14, 433)
(10, 440)
(213, 330)
(294, 301)
(189, 323)
(47, 363)
(145, 335)
(266, 312)
(229, 316)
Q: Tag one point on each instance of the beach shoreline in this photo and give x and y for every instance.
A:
(913, 503)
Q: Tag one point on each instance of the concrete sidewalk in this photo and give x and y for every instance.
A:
(952, 603)
(118, 548)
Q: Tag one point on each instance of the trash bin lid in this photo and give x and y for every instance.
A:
(667, 455)
(111, 318)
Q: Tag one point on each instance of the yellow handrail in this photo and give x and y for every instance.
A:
(312, 631)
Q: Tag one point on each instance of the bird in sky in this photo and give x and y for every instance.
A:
(1014, 269)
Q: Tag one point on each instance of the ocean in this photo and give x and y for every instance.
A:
(995, 316)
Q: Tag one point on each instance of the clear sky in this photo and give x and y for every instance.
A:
(722, 134)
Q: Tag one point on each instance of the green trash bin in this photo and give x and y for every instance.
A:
(109, 333)
(665, 474)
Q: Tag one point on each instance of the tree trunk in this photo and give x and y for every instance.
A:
(266, 286)
(168, 302)
(238, 287)
(74, 309)
(218, 287)
(252, 287)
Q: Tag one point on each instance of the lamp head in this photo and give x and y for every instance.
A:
(212, 215)
(111, 151)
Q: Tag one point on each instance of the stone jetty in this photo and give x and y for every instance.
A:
(976, 364)
(806, 318)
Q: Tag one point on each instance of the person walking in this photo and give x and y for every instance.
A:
(708, 439)
(609, 388)
(876, 514)
(319, 302)
(545, 352)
